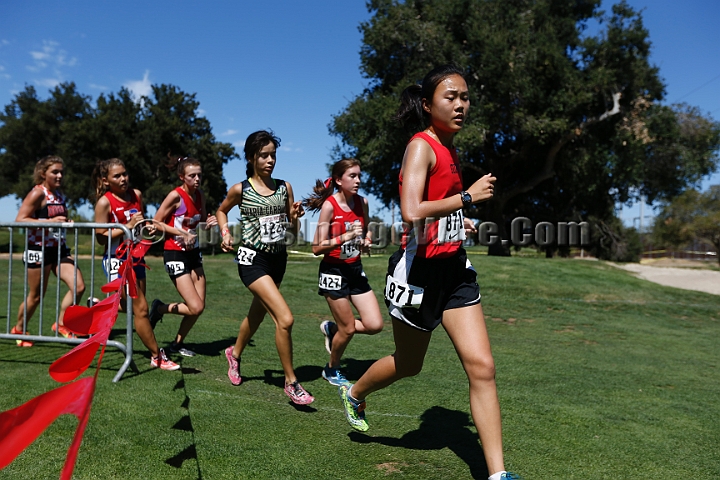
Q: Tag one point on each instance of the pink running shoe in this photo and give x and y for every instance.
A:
(234, 370)
(163, 362)
(298, 394)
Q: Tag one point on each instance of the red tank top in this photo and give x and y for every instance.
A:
(185, 217)
(121, 211)
(437, 238)
(348, 252)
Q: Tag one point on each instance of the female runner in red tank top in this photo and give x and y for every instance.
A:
(342, 235)
(45, 203)
(182, 211)
(118, 203)
(430, 281)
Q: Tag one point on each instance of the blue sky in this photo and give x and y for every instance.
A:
(283, 65)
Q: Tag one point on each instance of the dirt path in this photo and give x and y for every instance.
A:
(685, 274)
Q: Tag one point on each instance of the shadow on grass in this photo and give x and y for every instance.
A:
(354, 369)
(439, 428)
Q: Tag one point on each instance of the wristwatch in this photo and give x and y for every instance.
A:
(466, 198)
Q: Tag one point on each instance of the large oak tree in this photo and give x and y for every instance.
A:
(565, 106)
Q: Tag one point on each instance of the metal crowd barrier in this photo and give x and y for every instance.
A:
(60, 229)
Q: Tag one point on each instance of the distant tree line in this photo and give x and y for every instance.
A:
(142, 132)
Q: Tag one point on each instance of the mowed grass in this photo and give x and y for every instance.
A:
(600, 376)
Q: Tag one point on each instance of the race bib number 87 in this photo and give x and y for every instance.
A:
(401, 294)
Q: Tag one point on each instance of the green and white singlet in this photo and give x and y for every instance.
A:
(263, 219)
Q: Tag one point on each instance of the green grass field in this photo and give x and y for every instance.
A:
(600, 376)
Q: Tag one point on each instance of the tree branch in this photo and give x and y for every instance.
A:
(547, 171)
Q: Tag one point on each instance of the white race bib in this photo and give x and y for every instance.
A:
(451, 228)
(33, 256)
(272, 228)
(401, 294)
(330, 282)
(350, 249)
(112, 265)
(175, 268)
(245, 256)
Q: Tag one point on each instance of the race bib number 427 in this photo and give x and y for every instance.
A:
(330, 282)
(401, 294)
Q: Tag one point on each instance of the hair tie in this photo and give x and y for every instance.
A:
(180, 159)
(328, 182)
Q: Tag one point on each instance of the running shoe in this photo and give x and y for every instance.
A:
(21, 343)
(354, 411)
(154, 315)
(334, 376)
(62, 330)
(326, 329)
(510, 476)
(298, 394)
(234, 370)
(175, 347)
(163, 362)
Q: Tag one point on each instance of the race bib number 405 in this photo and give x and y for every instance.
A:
(272, 228)
(245, 256)
(401, 294)
(330, 282)
(174, 268)
(451, 228)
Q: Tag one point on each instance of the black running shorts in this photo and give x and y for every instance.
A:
(339, 280)
(419, 290)
(253, 264)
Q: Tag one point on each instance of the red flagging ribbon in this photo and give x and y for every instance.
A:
(20, 426)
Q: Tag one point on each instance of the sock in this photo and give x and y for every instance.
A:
(496, 475)
(355, 400)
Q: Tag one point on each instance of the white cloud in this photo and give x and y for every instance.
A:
(239, 144)
(98, 87)
(51, 54)
(140, 88)
(53, 57)
(201, 112)
(228, 133)
(4, 43)
(48, 82)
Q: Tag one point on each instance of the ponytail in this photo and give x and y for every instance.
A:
(321, 191)
(411, 113)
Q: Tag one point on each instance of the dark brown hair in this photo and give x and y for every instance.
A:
(411, 112)
(254, 143)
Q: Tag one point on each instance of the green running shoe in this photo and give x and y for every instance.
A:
(354, 412)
